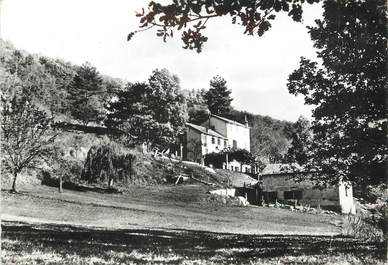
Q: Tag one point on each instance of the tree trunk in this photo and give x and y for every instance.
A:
(385, 231)
(386, 247)
(60, 184)
(15, 175)
(130, 169)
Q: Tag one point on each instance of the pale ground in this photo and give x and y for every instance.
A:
(157, 207)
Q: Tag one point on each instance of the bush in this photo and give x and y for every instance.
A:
(358, 226)
(107, 162)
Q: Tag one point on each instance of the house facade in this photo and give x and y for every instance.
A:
(214, 135)
(237, 134)
(279, 184)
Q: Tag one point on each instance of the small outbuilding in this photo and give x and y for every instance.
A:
(286, 183)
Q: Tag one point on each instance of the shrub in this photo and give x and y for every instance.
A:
(108, 162)
(358, 226)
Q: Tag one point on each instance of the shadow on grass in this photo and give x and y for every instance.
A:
(187, 243)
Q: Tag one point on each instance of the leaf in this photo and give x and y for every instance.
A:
(130, 35)
(271, 17)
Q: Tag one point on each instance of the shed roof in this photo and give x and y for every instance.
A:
(278, 169)
(204, 130)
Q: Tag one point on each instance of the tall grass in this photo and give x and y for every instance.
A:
(358, 227)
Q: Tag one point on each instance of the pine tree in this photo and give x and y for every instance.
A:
(85, 94)
(218, 97)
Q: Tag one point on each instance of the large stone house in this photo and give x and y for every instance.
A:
(214, 135)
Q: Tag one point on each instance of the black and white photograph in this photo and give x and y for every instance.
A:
(194, 132)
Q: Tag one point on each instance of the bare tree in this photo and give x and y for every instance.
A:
(26, 136)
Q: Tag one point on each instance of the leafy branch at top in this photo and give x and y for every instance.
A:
(192, 16)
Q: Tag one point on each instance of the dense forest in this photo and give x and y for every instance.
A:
(81, 95)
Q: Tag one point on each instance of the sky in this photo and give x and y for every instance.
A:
(255, 68)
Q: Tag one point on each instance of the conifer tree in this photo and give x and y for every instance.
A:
(218, 97)
(85, 94)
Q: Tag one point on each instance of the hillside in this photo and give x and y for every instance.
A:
(270, 137)
(48, 83)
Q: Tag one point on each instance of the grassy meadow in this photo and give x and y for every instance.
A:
(167, 225)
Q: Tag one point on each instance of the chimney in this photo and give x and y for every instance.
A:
(246, 121)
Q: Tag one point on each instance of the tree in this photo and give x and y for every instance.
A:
(218, 97)
(192, 16)
(243, 156)
(348, 92)
(108, 162)
(301, 137)
(198, 114)
(26, 136)
(153, 113)
(195, 148)
(166, 100)
(269, 141)
(85, 93)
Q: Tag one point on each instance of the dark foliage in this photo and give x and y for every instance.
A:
(348, 92)
(85, 94)
(240, 155)
(108, 162)
(301, 137)
(153, 113)
(218, 97)
(269, 137)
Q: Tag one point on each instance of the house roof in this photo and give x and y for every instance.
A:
(204, 130)
(277, 169)
(227, 120)
(237, 179)
(242, 180)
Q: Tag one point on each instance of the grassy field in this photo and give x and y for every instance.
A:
(166, 225)
(165, 207)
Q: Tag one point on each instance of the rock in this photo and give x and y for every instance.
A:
(210, 170)
(242, 201)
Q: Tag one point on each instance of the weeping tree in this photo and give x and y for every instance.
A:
(108, 162)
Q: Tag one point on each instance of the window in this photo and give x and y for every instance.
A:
(225, 143)
(234, 144)
(218, 141)
(213, 140)
(293, 195)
